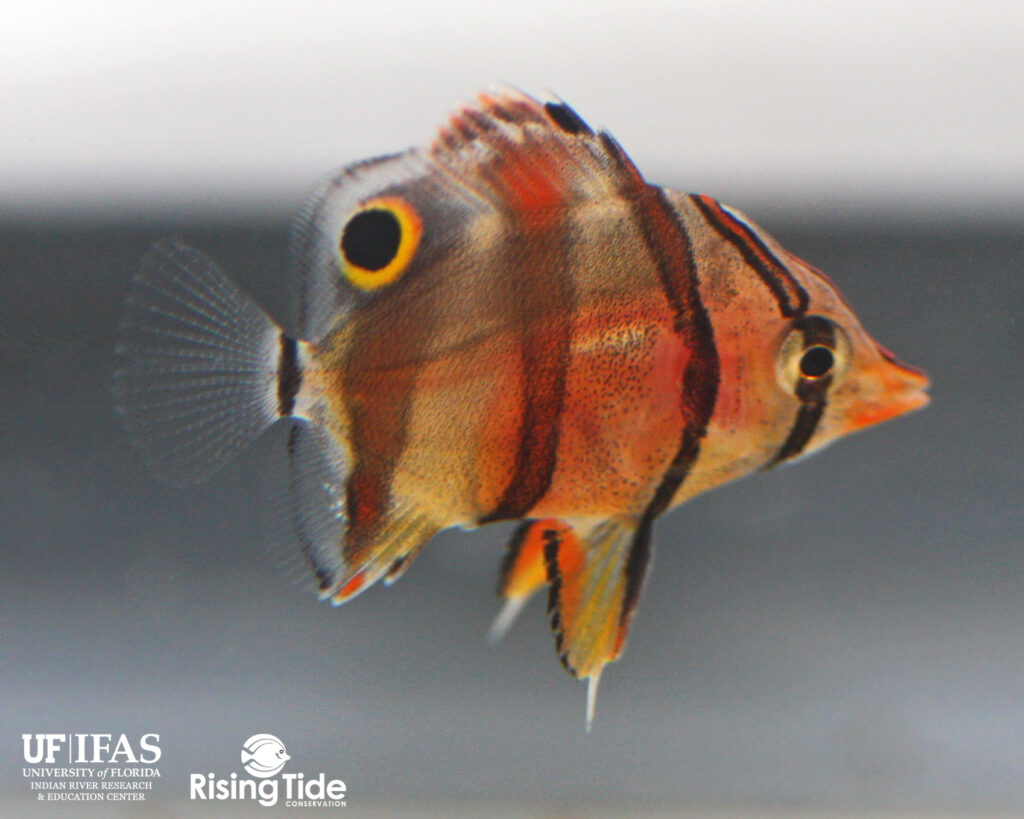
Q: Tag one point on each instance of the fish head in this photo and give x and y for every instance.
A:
(866, 384)
(798, 370)
(264, 755)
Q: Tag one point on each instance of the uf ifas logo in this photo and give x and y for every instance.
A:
(263, 755)
(93, 749)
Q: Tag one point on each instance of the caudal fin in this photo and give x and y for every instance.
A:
(204, 371)
(199, 362)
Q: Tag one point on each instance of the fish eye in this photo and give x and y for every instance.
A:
(816, 362)
(378, 242)
(814, 353)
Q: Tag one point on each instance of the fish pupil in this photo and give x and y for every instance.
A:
(816, 362)
(371, 239)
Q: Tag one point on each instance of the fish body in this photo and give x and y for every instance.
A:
(509, 324)
(263, 755)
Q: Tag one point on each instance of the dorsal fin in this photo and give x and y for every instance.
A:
(532, 154)
(507, 152)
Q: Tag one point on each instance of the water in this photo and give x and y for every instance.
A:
(848, 632)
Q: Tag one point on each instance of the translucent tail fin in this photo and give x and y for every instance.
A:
(198, 377)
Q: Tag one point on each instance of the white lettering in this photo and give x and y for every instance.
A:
(196, 786)
(268, 792)
(46, 747)
(123, 749)
(150, 749)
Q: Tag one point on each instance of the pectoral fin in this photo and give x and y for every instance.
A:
(595, 582)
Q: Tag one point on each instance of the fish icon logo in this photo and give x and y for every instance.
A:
(263, 755)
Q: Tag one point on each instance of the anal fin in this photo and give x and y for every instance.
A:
(400, 565)
(345, 559)
(595, 582)
(524, 570)
(385, 553)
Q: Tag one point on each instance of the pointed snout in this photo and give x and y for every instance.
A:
(890, 389)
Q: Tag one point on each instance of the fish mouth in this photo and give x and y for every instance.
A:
(899, 389)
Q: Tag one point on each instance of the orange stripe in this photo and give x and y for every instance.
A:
(532, 189)
(351, 587)
(525, 569)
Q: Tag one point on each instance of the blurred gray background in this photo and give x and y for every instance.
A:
(843, 635)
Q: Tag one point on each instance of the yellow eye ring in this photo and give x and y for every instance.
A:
(378, 242)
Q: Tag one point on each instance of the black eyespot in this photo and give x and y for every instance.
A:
(371, 239)
(565, 118)
(816, 362)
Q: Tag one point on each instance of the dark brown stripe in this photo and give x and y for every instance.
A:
(817, 330)
(378, 377)
(670, 249)
(792, 298)
(542, 299)
(378, 431)
(812, 392)
(640, 551)
(806, 422)
(551, 545)
(669, 246)
(289, 376)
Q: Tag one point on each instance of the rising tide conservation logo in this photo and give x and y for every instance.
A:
(264, 757)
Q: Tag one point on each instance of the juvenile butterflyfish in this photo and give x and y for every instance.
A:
(509, 324)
